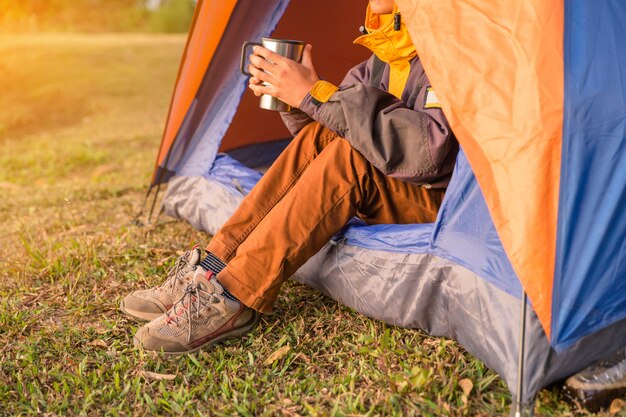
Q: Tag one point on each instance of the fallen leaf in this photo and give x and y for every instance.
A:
(616, 406)
(98, 343)
(466, 385)
(278, 354)
(157, 377)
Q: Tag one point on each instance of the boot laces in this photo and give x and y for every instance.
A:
(177, 272)
(189, 307)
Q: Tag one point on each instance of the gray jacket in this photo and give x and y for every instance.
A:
(402, 138)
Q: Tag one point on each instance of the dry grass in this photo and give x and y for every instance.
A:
(81, 119)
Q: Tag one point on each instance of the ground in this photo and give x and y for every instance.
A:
(81, 118)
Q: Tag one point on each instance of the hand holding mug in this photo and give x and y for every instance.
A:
(282, 77)
(281, 72)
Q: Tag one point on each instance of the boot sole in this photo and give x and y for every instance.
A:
(594, 399)
(138, 315)
(246, 328)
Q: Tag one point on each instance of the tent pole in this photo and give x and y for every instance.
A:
(519, 406)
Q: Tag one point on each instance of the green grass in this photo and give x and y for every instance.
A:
(81, 120)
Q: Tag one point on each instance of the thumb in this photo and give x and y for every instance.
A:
(307, 57)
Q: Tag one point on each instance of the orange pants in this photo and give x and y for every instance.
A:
(311, 191)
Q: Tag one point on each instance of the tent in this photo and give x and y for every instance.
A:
(535, 91)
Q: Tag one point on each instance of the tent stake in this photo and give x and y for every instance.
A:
(519, 406)
(156, 195)
(136, 221)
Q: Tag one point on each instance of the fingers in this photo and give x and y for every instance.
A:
(260, 89)
(261, 63)
(260, 75)
(307, 56)
(260, 67)
(255, 82)
(269, 55)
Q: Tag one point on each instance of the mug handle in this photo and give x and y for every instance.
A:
(243, 56)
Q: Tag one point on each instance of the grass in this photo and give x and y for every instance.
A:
(81, 120)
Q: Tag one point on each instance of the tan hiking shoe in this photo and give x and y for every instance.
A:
(154, 302)
(203, 317)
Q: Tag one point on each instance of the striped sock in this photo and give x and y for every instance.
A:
(214, 264)
(227, 293)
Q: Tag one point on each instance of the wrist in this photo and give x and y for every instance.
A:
(303, 90)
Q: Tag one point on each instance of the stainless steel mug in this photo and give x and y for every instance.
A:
(285, 47)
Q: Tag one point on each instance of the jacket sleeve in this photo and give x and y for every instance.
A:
(414, 144)
(297, 119)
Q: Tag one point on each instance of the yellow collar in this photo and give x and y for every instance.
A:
(388, 44)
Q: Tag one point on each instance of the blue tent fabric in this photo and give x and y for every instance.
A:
(233, 175)
(590, 276)
(219, 95)
(463, 233)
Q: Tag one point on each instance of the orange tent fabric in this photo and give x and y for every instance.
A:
(504, 100)
(201, 46)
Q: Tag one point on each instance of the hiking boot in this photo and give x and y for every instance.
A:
(154, 302)
(596, 386)
(203, 317)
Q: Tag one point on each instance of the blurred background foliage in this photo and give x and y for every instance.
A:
(95, 16)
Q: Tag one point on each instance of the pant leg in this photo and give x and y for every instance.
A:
(337, 185)
(277, 181)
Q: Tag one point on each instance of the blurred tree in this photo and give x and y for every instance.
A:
(95, 15)
(171, 16)
(153, 4)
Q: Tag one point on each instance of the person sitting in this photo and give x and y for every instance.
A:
(378, 147)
